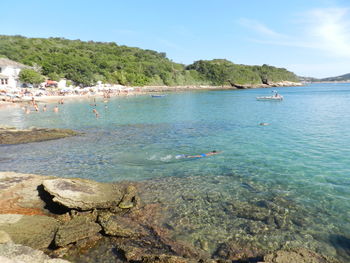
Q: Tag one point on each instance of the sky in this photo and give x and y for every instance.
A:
(309, 37)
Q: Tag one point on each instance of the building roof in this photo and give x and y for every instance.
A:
(7, 62)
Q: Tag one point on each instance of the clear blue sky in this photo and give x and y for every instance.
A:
(309, 37)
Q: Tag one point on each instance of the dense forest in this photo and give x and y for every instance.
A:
(85, 63)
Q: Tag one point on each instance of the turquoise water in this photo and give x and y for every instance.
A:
(302, 157)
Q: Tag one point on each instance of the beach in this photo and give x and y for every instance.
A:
(133, 91)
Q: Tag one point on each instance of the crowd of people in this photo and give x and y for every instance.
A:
(33, 106)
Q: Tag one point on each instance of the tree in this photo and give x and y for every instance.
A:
(30, 76)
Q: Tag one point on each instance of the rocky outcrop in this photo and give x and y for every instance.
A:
(116, 225)
(10, 135)
(80, 227)
(84, 194)
(20, 194)
(34, 231)
(14, 253)
(66, 217)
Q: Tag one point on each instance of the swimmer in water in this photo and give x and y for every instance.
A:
(198, 155)
(96, 112)
(264, 123)
(55, 109)
(44, 108)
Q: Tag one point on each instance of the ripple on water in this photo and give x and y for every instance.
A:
(285, 184)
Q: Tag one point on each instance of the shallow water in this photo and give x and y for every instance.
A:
(299, 163)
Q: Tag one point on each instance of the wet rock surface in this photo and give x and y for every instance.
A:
(300, 255)
(78, 228)
(9, 135)
(171, 220)
(119, 226)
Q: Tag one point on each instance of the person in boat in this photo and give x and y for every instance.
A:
(214, 152)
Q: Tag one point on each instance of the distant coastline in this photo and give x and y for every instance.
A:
(149, 90)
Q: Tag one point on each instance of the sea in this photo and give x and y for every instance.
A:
(280, 185)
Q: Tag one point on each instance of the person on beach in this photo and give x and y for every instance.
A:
(55, 109)
(214, 152)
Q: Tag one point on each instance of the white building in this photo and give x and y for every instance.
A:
(9, 71)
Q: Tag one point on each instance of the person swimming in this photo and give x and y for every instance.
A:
(96, 113)
(180, 156)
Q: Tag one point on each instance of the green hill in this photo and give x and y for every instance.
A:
(86, 63)
(345, 77)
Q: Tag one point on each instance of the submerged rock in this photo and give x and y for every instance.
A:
(82, 194)
(80, 227)
(119, 226)
(14, 253)
(300, 255)
(236, 251)
(17, 136)
(34, 231)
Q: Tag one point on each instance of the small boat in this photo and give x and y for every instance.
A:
(157, 96)
(278, 97)
(275, 96)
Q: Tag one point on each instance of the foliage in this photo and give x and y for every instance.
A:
(85, 63)
(30, 76)
(224, 72)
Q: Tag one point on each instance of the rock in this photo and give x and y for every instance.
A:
(9, 135)
(80, 227)
(119, 226)
(82, 194)
(300, 255)
(4, 238)
(163, 258)
(19, 194)
(235, 251)
(34, 231)
(14, 253)
(128, 200)
(139, 254)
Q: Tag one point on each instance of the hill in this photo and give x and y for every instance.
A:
(342, 78)
(85, 63)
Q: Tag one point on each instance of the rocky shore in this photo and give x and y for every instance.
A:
(10, 135)
(81, 220)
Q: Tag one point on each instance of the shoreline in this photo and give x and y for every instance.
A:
(146, 90)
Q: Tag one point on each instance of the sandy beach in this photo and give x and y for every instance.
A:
(136, 91)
